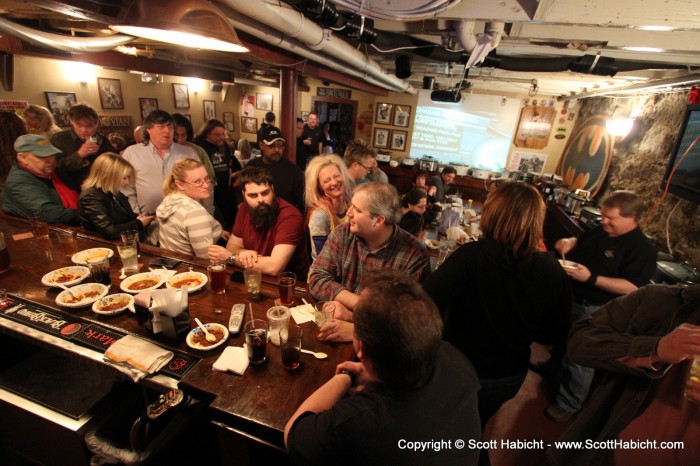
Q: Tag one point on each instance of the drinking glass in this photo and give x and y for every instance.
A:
(278, 319)
(39, 226)
(256, 332)
(694, 373)
(253, 282)
(69, 242)
(217, 277)
(324, 312)
(131, 236)
(286, 282)
(129, 257)
(99, 269)
(290, 344)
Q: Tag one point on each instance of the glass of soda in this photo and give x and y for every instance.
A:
(256, 332)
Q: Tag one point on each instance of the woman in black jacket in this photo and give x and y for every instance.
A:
(102, 207)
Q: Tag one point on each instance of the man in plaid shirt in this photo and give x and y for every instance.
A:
(371, 239)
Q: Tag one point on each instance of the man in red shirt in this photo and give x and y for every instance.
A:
(268, 233)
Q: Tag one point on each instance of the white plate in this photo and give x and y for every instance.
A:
(52, 278)
(82, 257)
(567, 264)
(126, 298)
(432, 244)
(64, 297)
(141, 276)
(198, 331)
(200, 277)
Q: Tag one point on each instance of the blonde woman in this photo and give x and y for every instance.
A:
(244, 152)
(328, 193)
(184, 225)
(102, 207)
(40, 121)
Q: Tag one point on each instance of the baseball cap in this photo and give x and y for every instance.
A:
(270, 134)
(35, 144)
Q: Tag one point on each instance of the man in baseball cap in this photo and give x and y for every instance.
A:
(32, 186)
(287, 178)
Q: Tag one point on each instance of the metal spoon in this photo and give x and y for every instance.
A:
(318, 355)
(210, 338)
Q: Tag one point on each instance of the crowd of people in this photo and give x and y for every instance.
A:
(461, 333)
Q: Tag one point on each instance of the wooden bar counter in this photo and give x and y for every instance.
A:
(255, 405)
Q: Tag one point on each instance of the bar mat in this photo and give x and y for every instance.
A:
(89, 335)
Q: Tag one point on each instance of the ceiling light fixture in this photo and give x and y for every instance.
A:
(190, 23)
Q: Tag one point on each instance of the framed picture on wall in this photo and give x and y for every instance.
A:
(59, 103)
(110, 91)
(398, 139)
(147, 105)
(305, 116)
(209, 109)
(229, 121)
(181, 95)
(383, 116)
(263, 102)
(402, 115)
(381, 138)
(249, 125)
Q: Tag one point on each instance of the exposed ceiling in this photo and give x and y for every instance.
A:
(638, 42)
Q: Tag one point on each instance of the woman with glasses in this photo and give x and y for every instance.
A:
(328, 192)
(184, 225)
(102, 207)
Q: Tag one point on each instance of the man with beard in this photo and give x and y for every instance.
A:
(288, 178)
(212, 138)
(268, 233)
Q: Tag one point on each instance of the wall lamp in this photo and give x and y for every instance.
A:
(190, 23)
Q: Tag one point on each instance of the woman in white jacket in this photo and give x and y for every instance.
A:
(184, 225)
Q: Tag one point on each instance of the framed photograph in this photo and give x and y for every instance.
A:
(263, 102)
(381, 138)
(383, 116)
(181, 95)
(398, 139)
(209, 109)
(229, 121)
(110, 91)
(305, 116)
(59, 103)
(249, 125)
(147, 105)
(402, 115)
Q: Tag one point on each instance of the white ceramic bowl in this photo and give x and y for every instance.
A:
(121, 300)
(196, 334)
(156, 279)
(197, 279)
(82, 257)
(66, 276)
(81, 295)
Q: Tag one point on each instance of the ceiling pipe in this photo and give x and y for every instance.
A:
(646, 86)
(64, 43)
(292, 23)
(277, 39)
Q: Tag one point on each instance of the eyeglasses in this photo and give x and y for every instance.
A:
(369, 169)
(199, 183)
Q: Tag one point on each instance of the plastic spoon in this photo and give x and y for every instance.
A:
(210, 338)
(318, 355)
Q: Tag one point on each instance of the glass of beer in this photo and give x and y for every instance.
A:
(217, 277)
(286, 282)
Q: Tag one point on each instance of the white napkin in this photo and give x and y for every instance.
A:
(165, 273)
(455, 233)
(233, 359)
(303, 313)
(137, 357)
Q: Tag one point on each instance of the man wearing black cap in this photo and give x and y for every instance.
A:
(287, 177)
(33, 187)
